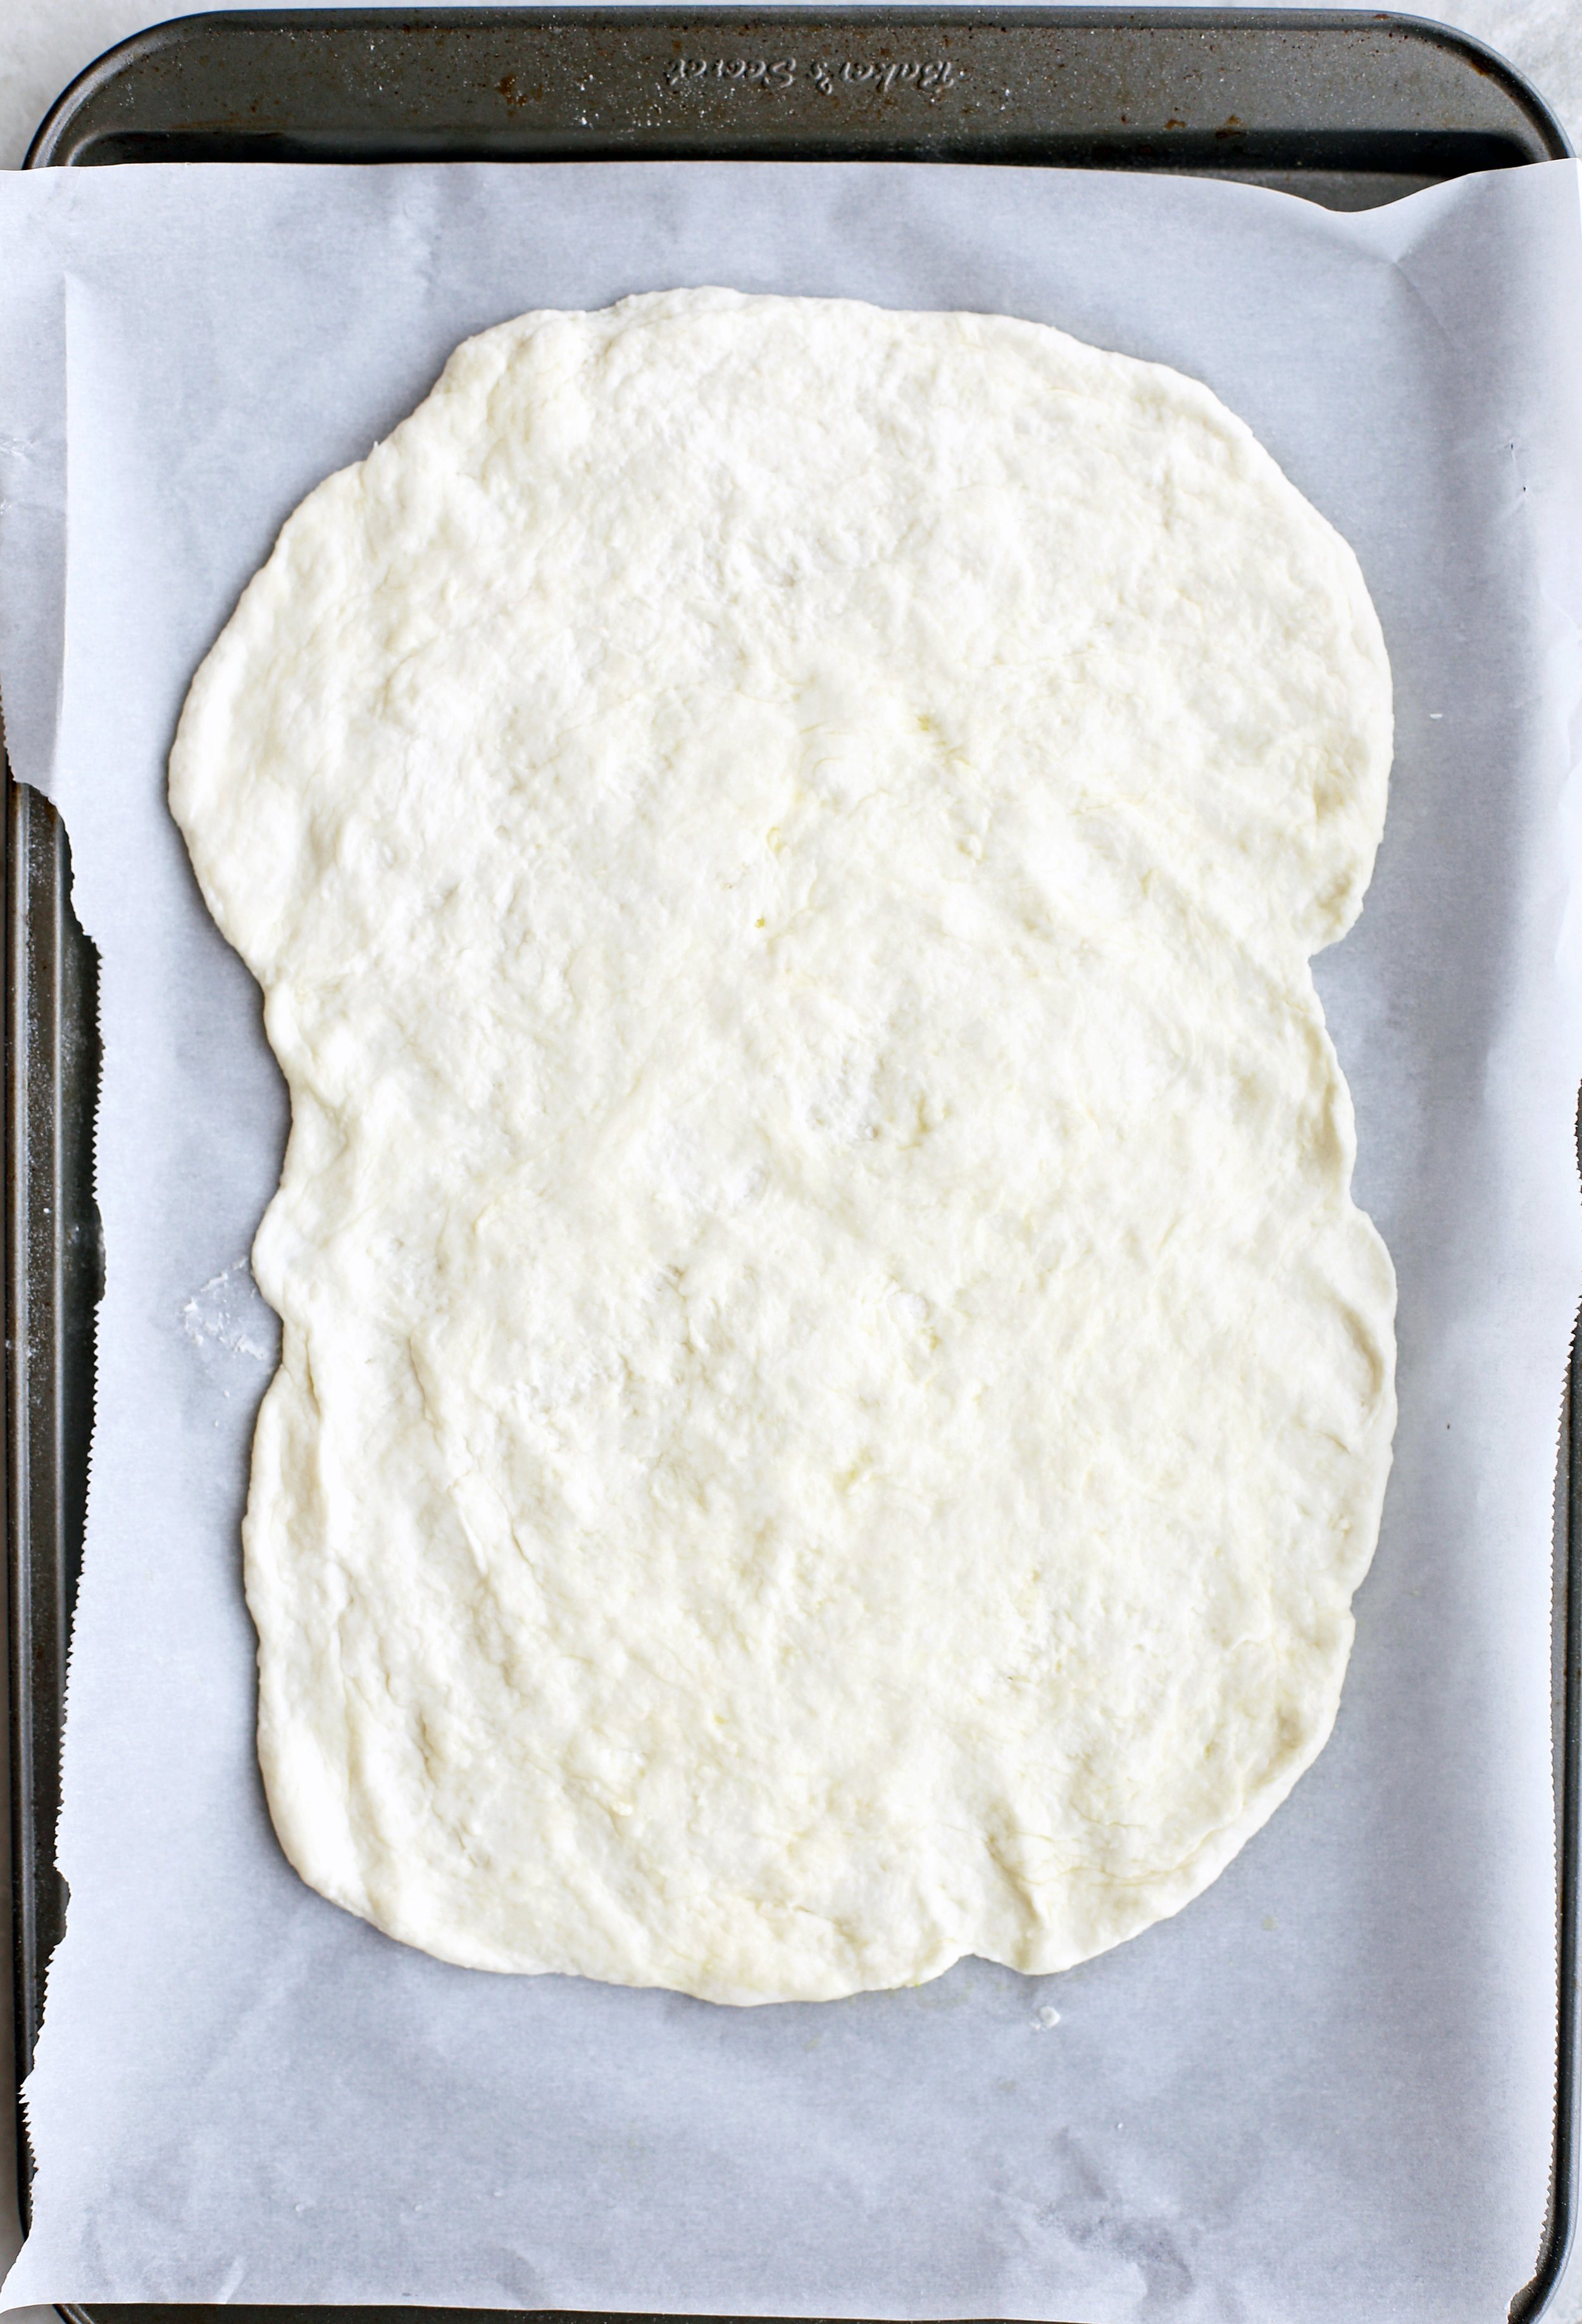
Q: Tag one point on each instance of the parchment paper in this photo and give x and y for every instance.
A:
(1324, 2091)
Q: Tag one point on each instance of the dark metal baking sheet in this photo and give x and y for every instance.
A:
(1347, 109)
(54, 1274)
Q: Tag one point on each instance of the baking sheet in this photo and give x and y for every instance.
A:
(1325, 2090)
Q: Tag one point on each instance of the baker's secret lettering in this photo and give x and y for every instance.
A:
(826, 73)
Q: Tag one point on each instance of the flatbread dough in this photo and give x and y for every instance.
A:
(834, 1397)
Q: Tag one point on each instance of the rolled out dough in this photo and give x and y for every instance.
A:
(833, 1395)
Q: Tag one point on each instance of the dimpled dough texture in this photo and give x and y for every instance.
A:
(833, 1395)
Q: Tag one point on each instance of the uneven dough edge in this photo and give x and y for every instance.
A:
(307, 1791)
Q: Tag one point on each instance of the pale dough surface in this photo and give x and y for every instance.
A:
(833, 1395)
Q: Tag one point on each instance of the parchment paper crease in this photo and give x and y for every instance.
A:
(1324, 2091)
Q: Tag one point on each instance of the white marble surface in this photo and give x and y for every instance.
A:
(45, 43)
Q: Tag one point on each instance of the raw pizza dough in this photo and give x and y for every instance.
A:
(834, 1397)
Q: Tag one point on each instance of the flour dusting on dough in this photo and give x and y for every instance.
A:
(834, 1397)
